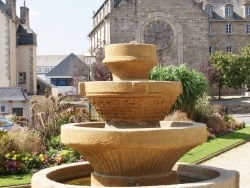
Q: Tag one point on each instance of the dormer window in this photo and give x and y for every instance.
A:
(208, 9)
(248, 11)
(228, 11)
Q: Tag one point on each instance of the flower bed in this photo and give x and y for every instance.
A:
(21, 163)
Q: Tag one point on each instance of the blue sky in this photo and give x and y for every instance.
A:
(61, 26)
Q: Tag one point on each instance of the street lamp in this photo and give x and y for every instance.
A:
(89, 59)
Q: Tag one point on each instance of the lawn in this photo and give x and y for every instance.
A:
(192, 156)
(215, 145)
(15, 180)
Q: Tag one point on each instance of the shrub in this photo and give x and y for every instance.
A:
(49, 114)
(20, 140)
(177, 116)
(228, 121)
(203, 109)
(194, 85)
(232, 124)
(58, 157)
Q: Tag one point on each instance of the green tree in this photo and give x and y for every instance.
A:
(193, 82)
(234, 69)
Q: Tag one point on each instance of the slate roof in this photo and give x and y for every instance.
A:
(64, 68)
(2, 6)
(117, 2)
(218, 11)
(12, 94)
(26, 35)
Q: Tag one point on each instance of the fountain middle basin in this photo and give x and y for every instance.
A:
(133, 156)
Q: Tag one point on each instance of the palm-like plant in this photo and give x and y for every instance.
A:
(194, 85)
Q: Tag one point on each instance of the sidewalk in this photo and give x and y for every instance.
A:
(235, 159)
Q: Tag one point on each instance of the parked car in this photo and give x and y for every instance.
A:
(5, 124)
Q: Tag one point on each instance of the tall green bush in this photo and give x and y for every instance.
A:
(193, 82)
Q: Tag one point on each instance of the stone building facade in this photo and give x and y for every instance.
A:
(229, 24)
(183, 31)
(17, 49)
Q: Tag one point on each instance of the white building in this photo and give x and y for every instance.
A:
(17, 48)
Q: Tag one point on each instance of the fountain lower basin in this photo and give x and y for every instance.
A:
(208, 177)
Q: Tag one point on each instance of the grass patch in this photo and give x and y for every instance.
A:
(215, 145)
(12, 180)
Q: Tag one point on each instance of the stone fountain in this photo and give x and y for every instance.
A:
(134, 146)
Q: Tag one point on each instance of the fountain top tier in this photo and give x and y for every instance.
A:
(130, 61)
(131, 100)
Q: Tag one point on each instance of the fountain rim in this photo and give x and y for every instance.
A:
(134, 138)
(223, 178)
(188, 125)
(126, 87)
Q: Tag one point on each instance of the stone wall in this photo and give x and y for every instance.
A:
(187, 20)
(27, 64)
(219, 40)
(4, 73)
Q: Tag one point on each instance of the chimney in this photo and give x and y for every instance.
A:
(24, 15)
(11, 8)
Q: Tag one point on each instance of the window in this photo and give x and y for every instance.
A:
(210, 50)
(39, 70)
(62, 81)
(17, 111)
(248, 29)
(228, 11)
(46, 70)
(210, 30)
(22, 77)
(2, 108)
(229, 49)
(248, 11)
(208, 10)
(228, 29)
